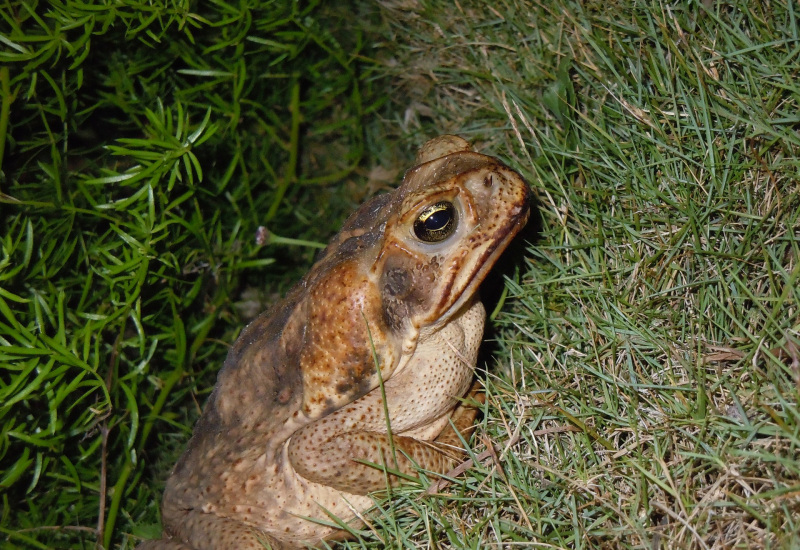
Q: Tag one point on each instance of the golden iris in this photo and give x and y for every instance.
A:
(436, 222)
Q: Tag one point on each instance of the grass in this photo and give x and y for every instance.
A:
(645, 368)
(645, 385)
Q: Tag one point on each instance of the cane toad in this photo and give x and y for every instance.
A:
(298, 407)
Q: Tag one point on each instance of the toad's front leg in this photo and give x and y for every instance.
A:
(340, 462)
(420, 400)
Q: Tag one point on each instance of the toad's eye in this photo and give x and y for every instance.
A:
(436, 222)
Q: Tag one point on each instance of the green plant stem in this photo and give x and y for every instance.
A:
(277, 239)
(5, 110)
(127, 469)
(173, 378)
(294, 140)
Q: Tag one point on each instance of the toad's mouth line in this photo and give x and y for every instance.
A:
(483, 266)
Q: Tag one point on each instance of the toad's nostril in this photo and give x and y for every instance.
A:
(488, 181)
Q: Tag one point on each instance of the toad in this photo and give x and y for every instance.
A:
(365, 362)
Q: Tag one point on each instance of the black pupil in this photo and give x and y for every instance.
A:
(438, 220)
